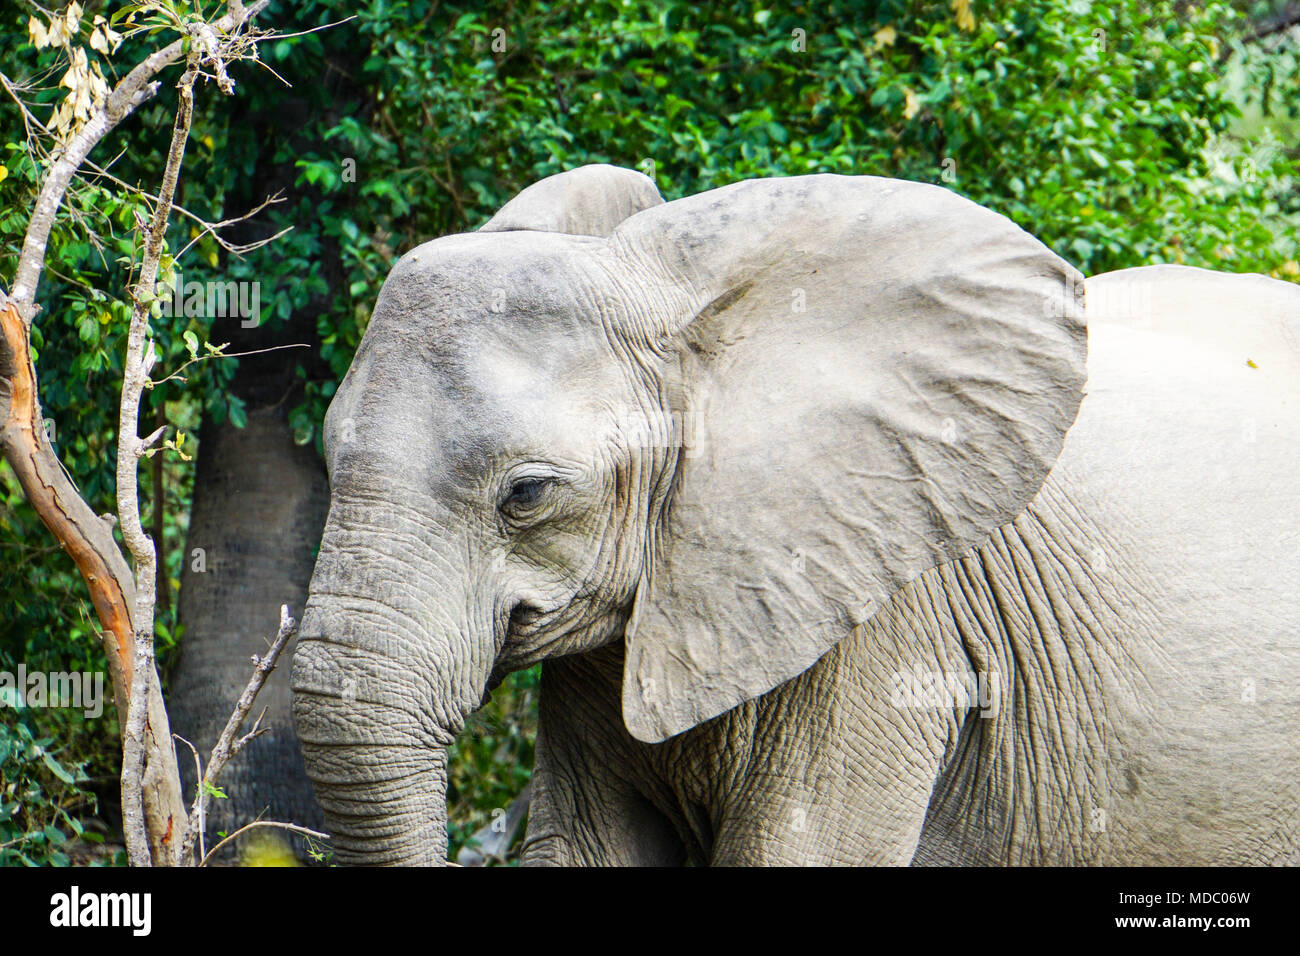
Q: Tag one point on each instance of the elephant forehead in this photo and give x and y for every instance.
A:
(509, 363)
(453, 287)
(460, 413)
(501, 399)
(482, 349)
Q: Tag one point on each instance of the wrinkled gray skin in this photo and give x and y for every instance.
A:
(743, 468)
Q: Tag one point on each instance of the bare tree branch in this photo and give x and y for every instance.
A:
(151, 793)
(208, 228)
(218, 354)
(198, 775)
(293, 828)
(227, 746)
(152, 803)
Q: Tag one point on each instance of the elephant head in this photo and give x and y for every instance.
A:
(723, 430)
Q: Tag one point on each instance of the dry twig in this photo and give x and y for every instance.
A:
(227, 746)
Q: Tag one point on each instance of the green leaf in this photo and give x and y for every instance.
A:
(56, 768)
(238, 413)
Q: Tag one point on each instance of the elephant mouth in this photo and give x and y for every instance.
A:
(524, 625)
(524, 619)
(534, 631)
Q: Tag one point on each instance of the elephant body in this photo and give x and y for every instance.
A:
(1149, 711)
(847, 531)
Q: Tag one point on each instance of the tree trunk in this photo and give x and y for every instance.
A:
(89, 542)
(259, 506)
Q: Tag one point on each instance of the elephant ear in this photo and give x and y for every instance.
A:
(869, 377)
(587, 201)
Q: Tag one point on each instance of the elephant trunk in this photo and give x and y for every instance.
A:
(382, 790)
(383, 677)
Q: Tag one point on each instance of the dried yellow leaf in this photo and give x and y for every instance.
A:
(98, 85)
(885, 36)
(912, 105)
(61, 119)
(58, 33)
(40, 36)
(965, 19)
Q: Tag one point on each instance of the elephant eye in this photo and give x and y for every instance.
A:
(524, 494)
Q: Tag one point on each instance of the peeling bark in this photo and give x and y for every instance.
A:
(88, 539)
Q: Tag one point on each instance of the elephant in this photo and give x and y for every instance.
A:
(850, 524)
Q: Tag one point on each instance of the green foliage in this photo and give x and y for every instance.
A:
(214, 791)
(492, 759)
(48, 756)
(42, 792)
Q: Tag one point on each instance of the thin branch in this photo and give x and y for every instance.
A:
(292, 827)
(325, 26)
(216, 355)
(198, 775)
(152, 439)
(29, 118)
(227, 746)
(266, 66)
(249, 737)
(238, 249)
